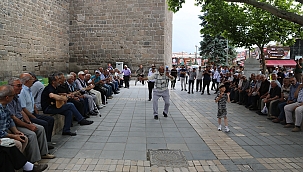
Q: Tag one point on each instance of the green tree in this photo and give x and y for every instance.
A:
(279, 8)
(214, 49)
(246, 26)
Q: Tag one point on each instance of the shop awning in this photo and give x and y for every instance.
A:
(281, 63)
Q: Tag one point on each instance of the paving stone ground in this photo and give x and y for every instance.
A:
(120, 139)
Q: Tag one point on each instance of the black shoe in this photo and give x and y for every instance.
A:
(39, 167)
(192, 92)
(202, 93)
(208, 93)
(185, 89)
(50, 147)
(156, 117)
(164, 114)
(188, 92)
(116, 92)
(68, 134)
(181, 89)
(85, 122)
(149, 99)
(93, 113)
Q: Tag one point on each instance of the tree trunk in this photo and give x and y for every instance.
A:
(263, 59)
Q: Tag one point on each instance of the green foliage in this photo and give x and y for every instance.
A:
(214, 49)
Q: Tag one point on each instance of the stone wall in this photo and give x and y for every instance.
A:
(43, 36)
(133, 31)
(34, 36)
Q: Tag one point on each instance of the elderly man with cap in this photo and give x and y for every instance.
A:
(126, 75)
(161, 83)
(82, 86)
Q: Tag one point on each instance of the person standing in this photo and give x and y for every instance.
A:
(174, 73)
(183, 72)
(126, 75)
(191, 80)
(160, 90)
(140, 73)
(199, 79)
(298, 70)
(206, 80)
(151, 83)
(221, 99)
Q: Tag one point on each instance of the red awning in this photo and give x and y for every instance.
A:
(281, 63)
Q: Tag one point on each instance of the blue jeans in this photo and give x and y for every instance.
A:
(68, 110)
(282, 113)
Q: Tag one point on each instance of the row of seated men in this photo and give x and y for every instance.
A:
(271, 98)
(31, 131)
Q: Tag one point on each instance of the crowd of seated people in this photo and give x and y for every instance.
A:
(277, 98)
(76, 96)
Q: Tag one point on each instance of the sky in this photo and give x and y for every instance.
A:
(186, 28)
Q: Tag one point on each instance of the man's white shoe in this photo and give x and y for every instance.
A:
(219, 128)
(227, 129)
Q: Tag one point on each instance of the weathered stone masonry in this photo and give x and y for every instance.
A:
(47, 35)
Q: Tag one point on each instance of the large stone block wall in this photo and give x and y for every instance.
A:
(34, 36)
(43, 36)
(108, 31)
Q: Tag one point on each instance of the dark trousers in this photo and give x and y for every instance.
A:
(282, 112)
(206, 84)
(254, 101)
(151, 86)
(213, 85)
(126, 81)
(173, 83)
(11, 159)
(191, 85)
(68, 110)
(199, 85)
(103, 93)
(47, 122)
(79, 105)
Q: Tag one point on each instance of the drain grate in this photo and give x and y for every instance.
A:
(167, 158)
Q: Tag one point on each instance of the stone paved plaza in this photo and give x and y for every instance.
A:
(126, 134)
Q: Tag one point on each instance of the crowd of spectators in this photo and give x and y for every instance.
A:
(277, 96)
(26, 105)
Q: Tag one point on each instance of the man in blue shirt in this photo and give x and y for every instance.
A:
(27, 102)
(6, 122)
(126, 75)
(291, 99)
(37, 144)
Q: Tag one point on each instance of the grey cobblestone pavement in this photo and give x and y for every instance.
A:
(120, 139)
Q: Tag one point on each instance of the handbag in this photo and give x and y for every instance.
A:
(265, 109)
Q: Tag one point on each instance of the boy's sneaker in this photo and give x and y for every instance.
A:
(219, 128)
(227, 129)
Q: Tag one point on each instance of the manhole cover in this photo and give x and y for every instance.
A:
(167, 158)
